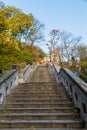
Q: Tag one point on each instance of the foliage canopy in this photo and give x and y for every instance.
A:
(13, 26)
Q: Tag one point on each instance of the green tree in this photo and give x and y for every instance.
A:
(13, 27)
(13, 23)
(82, 53)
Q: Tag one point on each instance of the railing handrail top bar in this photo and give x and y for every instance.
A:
(76, 79)
(6, 76)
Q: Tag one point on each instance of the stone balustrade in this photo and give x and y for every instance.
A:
(24, 74)
(75, 87)
(7, 83)
(11, 80)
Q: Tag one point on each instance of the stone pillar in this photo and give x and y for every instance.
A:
(15, 66)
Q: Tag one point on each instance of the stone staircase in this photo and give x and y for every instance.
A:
(40, 104)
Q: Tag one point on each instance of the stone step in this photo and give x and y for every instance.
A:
(40, 86)
(39, 110)
(23, 104)
(39, 116)
(30, 101)
(27, 85)
(41, 124)
(37, 96)
(44, 129)
(51, 87)
(38, 91)
(40, 99)
(37, 100)
(40, 83)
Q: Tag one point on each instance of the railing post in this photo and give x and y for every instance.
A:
(15, 66)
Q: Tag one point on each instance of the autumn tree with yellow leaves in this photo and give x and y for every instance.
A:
(13, 26)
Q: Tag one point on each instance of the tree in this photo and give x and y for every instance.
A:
(54, 37)
(41, 53)
(82, 53)
(35, 33)
(68, 46)
(82, 56)
(12, 26)
(2, 19)
(2, 5)
(14, 22)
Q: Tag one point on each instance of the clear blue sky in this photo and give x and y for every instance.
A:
(70, 15)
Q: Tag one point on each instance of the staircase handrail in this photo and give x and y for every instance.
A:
(11, 80)
(75, 88)
(7, 83)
